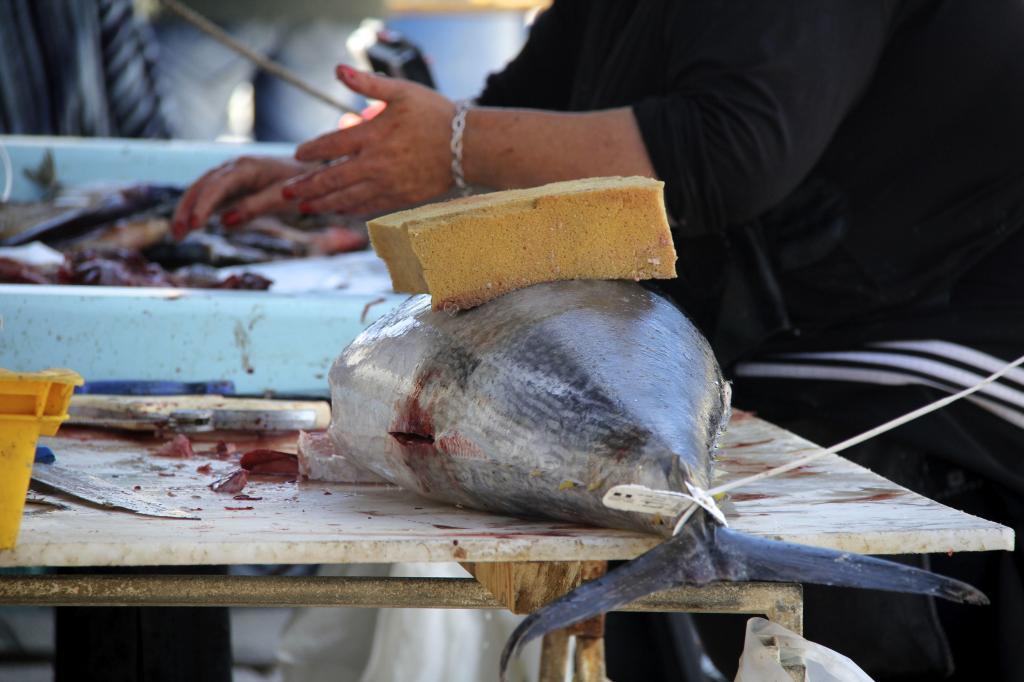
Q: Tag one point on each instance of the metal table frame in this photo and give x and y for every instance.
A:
(779, 602)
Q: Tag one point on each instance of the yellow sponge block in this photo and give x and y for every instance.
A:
(467, 251)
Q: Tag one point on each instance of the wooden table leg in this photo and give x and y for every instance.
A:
(588, 663)
(589, 659)
(554, 656)
(524, 587)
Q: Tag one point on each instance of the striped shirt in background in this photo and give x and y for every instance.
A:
(942, 365)
(77, 68)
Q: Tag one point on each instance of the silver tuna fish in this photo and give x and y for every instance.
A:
(540, 401)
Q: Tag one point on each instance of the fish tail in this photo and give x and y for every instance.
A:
(682, 559)
(754, 558)
(702, 553)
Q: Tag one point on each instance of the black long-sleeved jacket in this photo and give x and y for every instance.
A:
(829, 163)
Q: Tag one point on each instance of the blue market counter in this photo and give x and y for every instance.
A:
(282, 341)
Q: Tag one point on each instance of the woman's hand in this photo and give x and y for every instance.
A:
(257, 180)
(399, 154)
(399, 157)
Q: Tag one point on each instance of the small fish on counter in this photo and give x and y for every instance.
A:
(207, 248)
(120, 236)
(78, 222)
(131, 234)
(122, 268)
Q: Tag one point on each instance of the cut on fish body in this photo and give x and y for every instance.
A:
(537, 403)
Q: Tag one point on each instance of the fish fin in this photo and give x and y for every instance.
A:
(754, 558)
(702, 553)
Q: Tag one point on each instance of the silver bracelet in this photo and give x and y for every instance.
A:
(458, 128)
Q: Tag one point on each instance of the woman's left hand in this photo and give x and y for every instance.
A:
(399, 157)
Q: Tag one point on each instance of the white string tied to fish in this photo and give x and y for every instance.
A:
(639, 498)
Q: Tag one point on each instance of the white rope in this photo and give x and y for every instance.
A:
(878, 430)
(684, 517)
(5, 158)
(218, 34)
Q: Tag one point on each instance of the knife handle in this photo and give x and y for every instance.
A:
(132, 387)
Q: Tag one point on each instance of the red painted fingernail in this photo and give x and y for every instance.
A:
(232, 217)
(346, 72)
(305, 208)
(288, 193)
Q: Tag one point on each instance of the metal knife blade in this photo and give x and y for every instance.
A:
(92, 489)
(199, 413)
(242, 420)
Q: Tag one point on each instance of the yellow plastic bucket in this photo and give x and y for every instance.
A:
(31, 404)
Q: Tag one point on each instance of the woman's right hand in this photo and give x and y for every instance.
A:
(253, 183)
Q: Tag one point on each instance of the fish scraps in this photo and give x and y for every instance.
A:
(180, 447)
(270, 462)
(232, 484)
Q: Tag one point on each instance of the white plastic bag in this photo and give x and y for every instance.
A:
(761, 662)
(401, 645)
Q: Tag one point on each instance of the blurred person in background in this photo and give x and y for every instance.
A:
(84, 68)
(200, 76)
(114, 68)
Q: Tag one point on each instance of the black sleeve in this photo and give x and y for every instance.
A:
(540, 77)
(755, 90)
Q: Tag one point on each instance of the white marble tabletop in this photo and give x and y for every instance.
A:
(831, 503)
